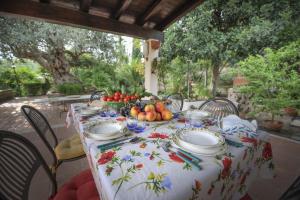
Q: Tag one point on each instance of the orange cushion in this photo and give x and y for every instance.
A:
(80, 187)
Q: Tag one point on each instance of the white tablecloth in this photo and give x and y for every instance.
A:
(145, 171)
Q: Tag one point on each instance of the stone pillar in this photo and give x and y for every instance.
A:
(150, 51)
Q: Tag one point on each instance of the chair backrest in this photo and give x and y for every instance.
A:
(19, 161)
(176, 102)
(39, 122)
(219, 107)
(96, 95)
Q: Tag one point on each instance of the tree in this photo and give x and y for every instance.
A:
(136, 49)
(228, 31)
(54, 47)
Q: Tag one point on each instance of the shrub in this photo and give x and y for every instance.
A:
(32, 89)
(70, 88)
(273, 79)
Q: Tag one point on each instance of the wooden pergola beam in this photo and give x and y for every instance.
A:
(64, 16)
(122, 6)
(178, 13)
(84, 5)
(45, 1)
(145, 16)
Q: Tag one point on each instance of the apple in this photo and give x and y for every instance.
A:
(141, 116)
(134, 111)
(166, 115)
(160, 106)
(149, 108)
(158, 117)
(150, 116)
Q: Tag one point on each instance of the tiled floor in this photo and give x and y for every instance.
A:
(285, 151)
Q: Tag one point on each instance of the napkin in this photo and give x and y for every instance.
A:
(233, 125)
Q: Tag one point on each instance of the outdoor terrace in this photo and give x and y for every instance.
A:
(285, 152)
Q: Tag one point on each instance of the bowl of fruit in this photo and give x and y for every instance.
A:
(156, 112)
(119, 100)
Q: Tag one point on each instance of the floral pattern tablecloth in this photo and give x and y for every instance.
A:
(145, 171)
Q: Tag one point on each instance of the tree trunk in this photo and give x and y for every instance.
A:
(205, 77)
(215, 79)
(59, 67)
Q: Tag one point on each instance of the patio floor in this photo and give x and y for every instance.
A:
(285, 152)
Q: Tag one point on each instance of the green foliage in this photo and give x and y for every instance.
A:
(200, 92)
(226, 78)
(54, 46)
(274, 79)
(70, 88)
(226, 32)
(25, 78)
(136, 49)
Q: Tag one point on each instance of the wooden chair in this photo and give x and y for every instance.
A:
(20, 160)
(69, 149)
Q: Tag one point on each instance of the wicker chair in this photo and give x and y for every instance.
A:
(219, 108)
(19, 162)
(175, 102)
(67, 150)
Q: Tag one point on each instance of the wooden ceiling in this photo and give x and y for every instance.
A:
(144, 19)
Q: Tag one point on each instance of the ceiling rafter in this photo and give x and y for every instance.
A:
(45, 1)
(179, 12)
(122, 6)
(145, 16)
(84, 5)
(69, 17)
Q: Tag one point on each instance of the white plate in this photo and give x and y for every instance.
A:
(197, 149)
(88, 112)
(95, 137)
(196, 114)
(105, 130)
(200, 138)
(197, 152)
(94, 108)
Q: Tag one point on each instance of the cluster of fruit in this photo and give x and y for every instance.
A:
(156, 112)
(119, 97)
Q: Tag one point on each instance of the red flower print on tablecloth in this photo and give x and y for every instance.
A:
(198, 185)
(175, 158)
(181, 120)
(267, 151)
(227, 166)
(143, 145)
(158, 135)
(121, 119)
(249, 140)
(106, 157)
(139, 166)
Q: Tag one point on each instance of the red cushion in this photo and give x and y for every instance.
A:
(80, 187)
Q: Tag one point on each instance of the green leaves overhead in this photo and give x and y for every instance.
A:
(229, 31)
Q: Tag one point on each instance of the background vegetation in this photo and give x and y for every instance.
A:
(196, 57)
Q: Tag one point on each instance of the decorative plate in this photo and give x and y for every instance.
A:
(200, 137)
(201, 152)
(105, 130)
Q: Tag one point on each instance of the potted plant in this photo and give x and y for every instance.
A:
(291, 111)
